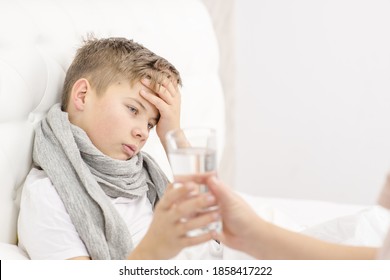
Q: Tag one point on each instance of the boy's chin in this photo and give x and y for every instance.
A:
(121, 157)
(129, 158)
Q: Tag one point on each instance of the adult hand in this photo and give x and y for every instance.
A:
(242, 227)
(237, 216)
(244, 230)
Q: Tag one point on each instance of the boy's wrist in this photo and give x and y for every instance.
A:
(142, 252)
(163, 135)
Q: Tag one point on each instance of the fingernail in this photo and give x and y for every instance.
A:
(177, 185)
(216, 216)
(191, 188)
(215, 180)
(210, 198)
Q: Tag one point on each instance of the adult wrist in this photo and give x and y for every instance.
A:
(261, 238)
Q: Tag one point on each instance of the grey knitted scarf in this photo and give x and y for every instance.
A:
(85, 178)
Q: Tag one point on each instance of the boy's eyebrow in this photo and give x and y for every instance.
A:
(137, 101)
(144, 108)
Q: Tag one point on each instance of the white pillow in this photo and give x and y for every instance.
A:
(11, 252)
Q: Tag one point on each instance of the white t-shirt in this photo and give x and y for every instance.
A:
(46, 231)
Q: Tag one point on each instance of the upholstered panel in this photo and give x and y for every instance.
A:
(38, 40)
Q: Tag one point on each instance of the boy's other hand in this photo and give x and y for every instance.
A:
(178, 212)
(167, 99)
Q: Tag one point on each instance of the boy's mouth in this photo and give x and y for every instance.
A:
(130, 150)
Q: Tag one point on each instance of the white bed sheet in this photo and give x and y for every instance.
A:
(362, 225)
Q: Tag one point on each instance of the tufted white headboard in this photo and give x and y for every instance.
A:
(38, 40)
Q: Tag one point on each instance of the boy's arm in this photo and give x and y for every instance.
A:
(167, 99)
(84, 258)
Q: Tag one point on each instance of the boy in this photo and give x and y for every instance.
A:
(92, 192)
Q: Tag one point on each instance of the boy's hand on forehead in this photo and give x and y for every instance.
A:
(167, 99)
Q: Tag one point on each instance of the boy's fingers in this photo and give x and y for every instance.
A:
(194, 205)
(191, 241)
(174, 91)
(199, 178)
(173, 194)
(165, 95)
(167, 91)
(199, 221)
(155, 100)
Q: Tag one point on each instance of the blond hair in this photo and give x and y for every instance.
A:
(105, 61)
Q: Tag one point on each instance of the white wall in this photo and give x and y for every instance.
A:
(313, 98)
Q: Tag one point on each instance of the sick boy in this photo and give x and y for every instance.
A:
(92, 193)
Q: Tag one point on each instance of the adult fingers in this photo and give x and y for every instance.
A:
(221, 192)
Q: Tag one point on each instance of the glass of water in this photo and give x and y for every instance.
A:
(193, 151)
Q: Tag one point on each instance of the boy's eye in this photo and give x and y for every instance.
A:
(150, 126)
(133, 109)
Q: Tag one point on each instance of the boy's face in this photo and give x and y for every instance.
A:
(118, 122)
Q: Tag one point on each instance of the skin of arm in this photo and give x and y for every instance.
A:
(273, 242)
(244, 230)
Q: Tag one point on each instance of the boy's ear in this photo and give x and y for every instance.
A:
(79, 93)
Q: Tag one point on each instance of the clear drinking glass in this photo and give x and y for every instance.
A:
(193, 151)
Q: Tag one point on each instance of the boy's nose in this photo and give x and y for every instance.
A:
(141, 133)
